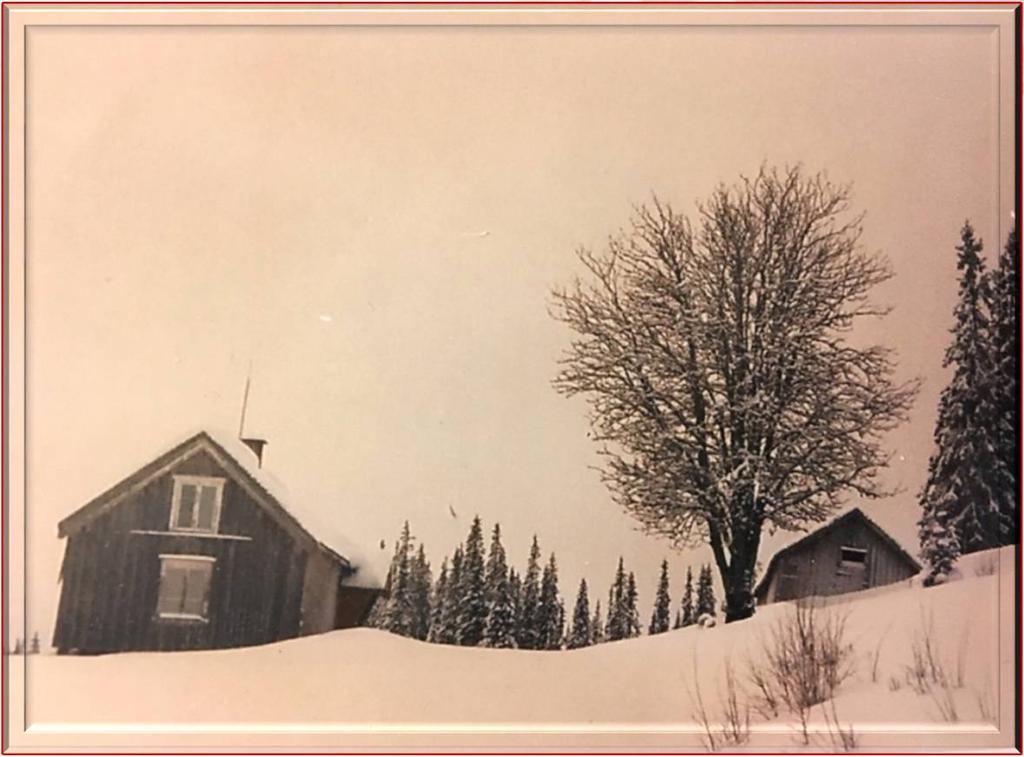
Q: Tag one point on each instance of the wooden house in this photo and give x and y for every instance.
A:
(851, 553)
(200, 549)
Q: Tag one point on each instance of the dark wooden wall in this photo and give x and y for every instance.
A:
(354, 606)
(110, 576)
(813, 569)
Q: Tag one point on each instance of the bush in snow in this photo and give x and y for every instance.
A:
(706, 621)
(806, 658)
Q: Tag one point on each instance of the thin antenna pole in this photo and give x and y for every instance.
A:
(245, 402)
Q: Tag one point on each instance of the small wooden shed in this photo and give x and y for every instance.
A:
(851, 553)
(196, 549)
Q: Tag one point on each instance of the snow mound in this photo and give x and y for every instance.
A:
(364, 676)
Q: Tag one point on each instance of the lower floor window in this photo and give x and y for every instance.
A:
(184, 587)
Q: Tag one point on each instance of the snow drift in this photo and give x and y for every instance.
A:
(370, 680)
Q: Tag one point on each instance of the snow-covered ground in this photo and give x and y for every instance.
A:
(333, 687)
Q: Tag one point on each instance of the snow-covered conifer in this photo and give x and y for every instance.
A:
(449, 631)
(437, 606)
(632, 614)
(472, 601)
(579, 634)
(527, 633)
(705, 593)
(597, 625)
(617, 625)
(398, 614)
(689, 614)
(550, 616)
(1005, 345)
(969, 489)
(515, 591)
(661, 615)
(420, 581)
(499, 631)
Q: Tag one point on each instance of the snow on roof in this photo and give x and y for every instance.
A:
(370, 567)
(802, 539)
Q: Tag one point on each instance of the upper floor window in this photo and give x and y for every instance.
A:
(852, 557)
(196, 503)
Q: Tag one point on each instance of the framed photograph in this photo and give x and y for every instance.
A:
(506, 377)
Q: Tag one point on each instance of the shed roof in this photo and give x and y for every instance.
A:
(362, 571)
(844, 519)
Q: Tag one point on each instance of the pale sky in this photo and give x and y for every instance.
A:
(375, 218)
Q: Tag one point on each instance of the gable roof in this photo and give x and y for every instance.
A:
(241, 464)
(844, 519)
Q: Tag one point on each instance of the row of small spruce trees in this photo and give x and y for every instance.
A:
(477, 599)
(20, 648)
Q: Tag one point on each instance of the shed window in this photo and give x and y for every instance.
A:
(184, 587)
(195, 505)
(852, 557)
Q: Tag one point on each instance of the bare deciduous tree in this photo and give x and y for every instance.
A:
(724, 391)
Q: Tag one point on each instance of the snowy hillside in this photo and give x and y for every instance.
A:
(342, 680)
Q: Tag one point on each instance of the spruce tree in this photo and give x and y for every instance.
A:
(963, 499)
(515, 591)
(597, 625)
(499, 631)
(1005, 345)
(660, 617)
(579, 634)
(419, 590)
(528, 634)
(618, 621)
(437, 605)
(550, 614)
(449, 631)
(689, 615)
(679, 621)
(472, 599)
(399, 614)
(705, 593)
(632, 613)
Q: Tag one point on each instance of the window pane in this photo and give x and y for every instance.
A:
(207, 496)
(184, 587)
(853, 555)
(186, 506)
(196, 591)
(172, 589)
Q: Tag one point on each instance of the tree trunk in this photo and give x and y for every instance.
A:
(739, 605)
(738, 580)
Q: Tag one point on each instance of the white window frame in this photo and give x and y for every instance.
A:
(197, 481)
(164, 559)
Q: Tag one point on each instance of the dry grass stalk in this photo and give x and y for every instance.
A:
(842, 739)
(734, 728)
